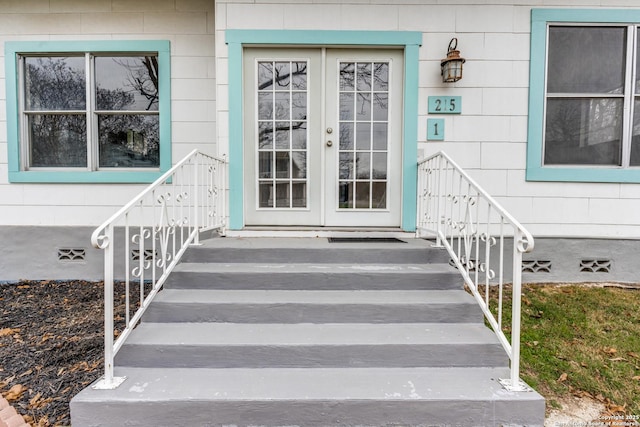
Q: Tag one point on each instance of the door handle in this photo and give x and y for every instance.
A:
(329, 143)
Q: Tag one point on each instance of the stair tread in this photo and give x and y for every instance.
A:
(276, 296)
(313, 243)
(324, 268)
(307, 334)
(329, 384)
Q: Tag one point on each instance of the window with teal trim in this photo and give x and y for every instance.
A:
(83, 115)
(585, 96)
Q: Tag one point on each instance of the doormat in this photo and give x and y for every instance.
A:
(365, 240)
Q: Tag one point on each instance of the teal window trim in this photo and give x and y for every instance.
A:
(410, 40)
(540, 19)
(14, 48)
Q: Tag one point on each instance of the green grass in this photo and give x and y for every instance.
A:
(583, 341)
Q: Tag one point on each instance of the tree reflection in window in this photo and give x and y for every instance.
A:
(125, 118)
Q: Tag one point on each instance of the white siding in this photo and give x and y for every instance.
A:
(489, 138)
(187, 24)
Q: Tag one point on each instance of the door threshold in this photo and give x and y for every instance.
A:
(301, 231)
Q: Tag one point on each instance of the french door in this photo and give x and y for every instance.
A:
(322, 137)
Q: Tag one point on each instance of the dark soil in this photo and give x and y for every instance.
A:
(51, 346)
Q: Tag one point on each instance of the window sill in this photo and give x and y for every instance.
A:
(76, 177)
(583, 174)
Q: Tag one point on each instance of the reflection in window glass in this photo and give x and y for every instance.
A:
(58, 140)
(635, 136)
(127, 83)
(55, 83)
(583, 131)
(129, 141)
(363, 136)
(282, 134)
(586, 59)
(124, 108)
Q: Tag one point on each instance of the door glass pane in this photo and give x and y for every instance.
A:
(583, 131)
(282, 141)
(379, 195)
(299, 194)
(282, 75)
(586, 59)
(345, 196)
(283, 199)
(363, 197)
(55, 83)
(363, 136)
(266, 194)
(364, 120)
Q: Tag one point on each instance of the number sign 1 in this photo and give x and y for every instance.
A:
(445, 104)
(435, 129)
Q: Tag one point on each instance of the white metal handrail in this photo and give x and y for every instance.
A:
(478, 233)
(144, 241)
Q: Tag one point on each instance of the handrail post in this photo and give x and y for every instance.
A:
(516, 309)
(196, 208)
(439, 204)
(109, 381)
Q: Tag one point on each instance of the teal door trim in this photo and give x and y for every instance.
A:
(409, 40)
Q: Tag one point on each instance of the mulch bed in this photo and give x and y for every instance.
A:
(51, 346)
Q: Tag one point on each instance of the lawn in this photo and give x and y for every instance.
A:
(582, 341)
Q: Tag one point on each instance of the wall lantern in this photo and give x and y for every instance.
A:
(451, 66)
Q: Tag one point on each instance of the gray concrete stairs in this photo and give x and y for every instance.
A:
(302, 332)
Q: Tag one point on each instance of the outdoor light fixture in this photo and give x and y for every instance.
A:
(451, 66)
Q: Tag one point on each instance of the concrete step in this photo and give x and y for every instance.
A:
(310, 276)
(320, 250)
(293, 306)
(230, 345)
(308, 397)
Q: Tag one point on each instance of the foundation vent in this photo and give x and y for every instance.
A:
(595, 266)
(536, 266)
(148, 255)
(71, 254)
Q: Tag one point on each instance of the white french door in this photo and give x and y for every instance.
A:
(322, 137)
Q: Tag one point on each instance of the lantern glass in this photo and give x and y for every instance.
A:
(452, 71)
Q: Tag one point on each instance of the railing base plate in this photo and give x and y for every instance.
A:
(102, 384)
(508, 385)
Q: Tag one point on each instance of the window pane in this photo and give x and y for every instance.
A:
(299, 76)
(129, 141)
(586, 59)
(265, 75)
(635, 137)
(583, 131)
(362, 195)
(127, 83)
(346, 195)
(638, 62)
(299, 194)
(347, 75)
(55, 83)
(266, 194)
(283, 75)
(58, 140)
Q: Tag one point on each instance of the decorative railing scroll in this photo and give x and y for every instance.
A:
(144, 241)
(480, 236)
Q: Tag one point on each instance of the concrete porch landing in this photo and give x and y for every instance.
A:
(303, 332)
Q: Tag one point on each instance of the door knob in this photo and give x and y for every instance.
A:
(329, 130)
(329, 143)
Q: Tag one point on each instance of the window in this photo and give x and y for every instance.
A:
(90, 115)
(585, 97)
